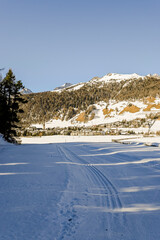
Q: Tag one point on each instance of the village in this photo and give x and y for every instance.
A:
(136, 126)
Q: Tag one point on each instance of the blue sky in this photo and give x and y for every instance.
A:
(50, 42)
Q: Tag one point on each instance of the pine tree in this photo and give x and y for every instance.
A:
(10, 98)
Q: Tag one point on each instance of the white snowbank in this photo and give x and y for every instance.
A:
(149, 140)
(155, 141)
(63, 139)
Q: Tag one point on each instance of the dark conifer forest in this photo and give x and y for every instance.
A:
(10, 99)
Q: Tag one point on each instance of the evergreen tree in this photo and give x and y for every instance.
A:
(10, 98)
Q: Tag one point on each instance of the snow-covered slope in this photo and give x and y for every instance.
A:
(112, 112)
(69, 87)
(119, 77)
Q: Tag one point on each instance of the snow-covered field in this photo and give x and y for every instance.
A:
(107, 138)
(64, 139)
(79, 190)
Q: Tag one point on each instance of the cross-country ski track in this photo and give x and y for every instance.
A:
(75, 191)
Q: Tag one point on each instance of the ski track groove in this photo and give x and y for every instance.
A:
(112, 200)
(103, 179)
(70, 222)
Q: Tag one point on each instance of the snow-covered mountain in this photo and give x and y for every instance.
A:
(111, 99)
(26, 91)
(64, 86)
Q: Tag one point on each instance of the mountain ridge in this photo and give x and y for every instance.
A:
(110, 77)
(64, 86)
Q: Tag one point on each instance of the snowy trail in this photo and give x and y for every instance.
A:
(107, 193)
(75, 191)
(108, 198)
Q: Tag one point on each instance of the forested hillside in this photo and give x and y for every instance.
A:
(66, 104)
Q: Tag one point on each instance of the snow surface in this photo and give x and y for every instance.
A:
(79, 190)
(156, 126)
(76, 86)
(2, 141)
(64, 139)
(138, 138)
